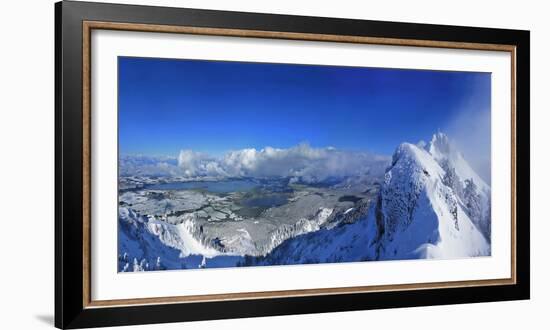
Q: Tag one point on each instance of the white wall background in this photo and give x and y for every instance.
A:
(27, 162)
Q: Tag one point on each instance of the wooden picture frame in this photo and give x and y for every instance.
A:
(74, 306)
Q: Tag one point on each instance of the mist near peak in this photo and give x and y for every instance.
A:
(470, 132)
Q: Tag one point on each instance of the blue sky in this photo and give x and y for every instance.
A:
(168, 105)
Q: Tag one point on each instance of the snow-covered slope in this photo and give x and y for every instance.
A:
(345, 242)
(442, 150)
(472, 191)
(418, 215)
(152, 244)
(430, 205)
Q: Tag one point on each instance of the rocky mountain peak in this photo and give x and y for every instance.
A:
(440, 144)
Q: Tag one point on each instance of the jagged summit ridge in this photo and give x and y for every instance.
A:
(421, 213)
(446, 154)
(472, 191)
(439, 144)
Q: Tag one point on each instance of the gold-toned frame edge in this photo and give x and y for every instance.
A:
(88, 26)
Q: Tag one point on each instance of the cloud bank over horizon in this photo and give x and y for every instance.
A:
(300, 163)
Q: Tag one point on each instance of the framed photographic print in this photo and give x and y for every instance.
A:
(218, 164)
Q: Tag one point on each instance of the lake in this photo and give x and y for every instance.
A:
(220, 187)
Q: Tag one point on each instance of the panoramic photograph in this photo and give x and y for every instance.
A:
(239, 164)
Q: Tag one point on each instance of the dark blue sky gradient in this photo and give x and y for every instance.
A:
(167, 105)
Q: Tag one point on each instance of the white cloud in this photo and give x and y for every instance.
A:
(198, 164)
(301, 162)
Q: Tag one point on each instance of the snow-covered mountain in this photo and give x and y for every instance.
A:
(472, 191)
(430, 205)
